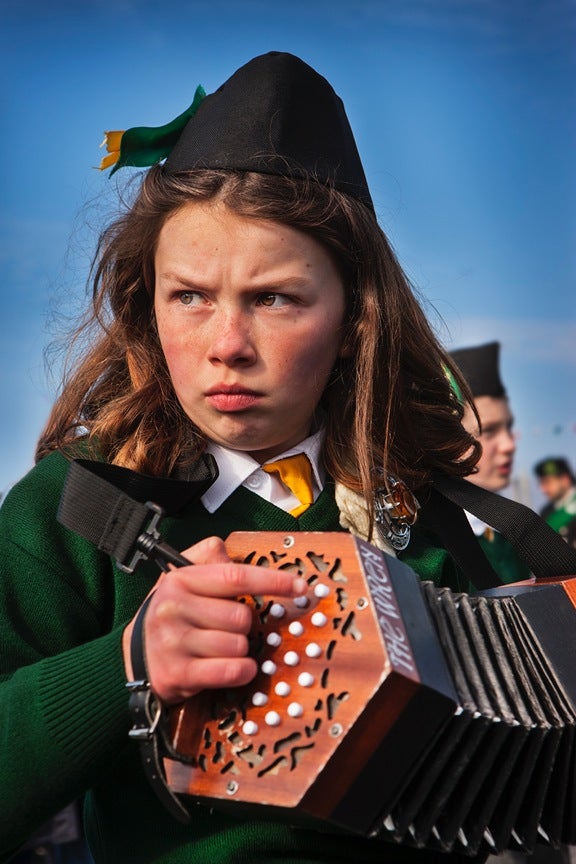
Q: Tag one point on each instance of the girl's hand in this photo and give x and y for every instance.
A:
(195, 629)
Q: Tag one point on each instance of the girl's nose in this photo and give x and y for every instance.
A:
(232, 341)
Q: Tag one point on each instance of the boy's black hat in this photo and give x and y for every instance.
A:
(554, 466)
(480, 366)
(275, 115)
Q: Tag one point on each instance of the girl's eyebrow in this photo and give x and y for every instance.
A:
(267, 284)
(170, 276)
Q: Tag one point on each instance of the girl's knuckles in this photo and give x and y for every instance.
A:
(241, 618)
(211, 547)
(235, 577)
(166, 609)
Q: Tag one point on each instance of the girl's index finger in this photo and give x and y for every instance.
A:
(232, 579)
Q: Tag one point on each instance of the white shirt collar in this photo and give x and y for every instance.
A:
(236, 468)
(477, 525)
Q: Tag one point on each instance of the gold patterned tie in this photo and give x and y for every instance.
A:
(296, 473)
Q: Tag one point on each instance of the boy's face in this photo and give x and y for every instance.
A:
(497, 440)
(554, 487)
(249, 315)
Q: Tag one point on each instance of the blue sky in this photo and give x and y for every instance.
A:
(465, 116)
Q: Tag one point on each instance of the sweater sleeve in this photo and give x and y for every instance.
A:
(63, 702)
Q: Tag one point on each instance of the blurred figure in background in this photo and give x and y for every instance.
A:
(558, 483)
(480, 365)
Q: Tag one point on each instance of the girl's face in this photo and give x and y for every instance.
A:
(497, 439)
(249, 315)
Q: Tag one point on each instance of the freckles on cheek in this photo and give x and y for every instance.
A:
(175, 359)
(171, 350)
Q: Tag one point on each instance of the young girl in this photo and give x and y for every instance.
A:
(247, 306)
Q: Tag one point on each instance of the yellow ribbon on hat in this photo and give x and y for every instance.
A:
(295, 472)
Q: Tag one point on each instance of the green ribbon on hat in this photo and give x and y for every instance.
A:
(143, 146)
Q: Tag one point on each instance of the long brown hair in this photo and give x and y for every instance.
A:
(391, 405)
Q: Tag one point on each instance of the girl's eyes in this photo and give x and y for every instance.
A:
(187, 298)
(272, 299)
(269, 299)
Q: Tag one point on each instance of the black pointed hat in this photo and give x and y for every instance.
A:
(275, 115)
(480, 366)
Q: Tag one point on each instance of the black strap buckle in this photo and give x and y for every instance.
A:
(146, 710)
(147, 539)
(148, 544)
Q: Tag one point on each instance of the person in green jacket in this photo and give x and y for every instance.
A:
(480, 365)
(246, 307)
(557, 482)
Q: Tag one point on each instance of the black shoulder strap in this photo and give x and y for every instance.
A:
(118, 509)
(534, 541)
(451, 524)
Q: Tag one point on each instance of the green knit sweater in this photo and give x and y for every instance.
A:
(63, 705)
